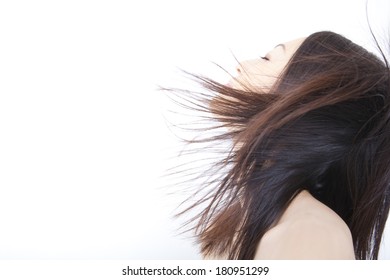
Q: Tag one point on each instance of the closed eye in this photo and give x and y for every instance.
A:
(265, 58)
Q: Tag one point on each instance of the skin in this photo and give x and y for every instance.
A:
(261, 73)
(308, 229)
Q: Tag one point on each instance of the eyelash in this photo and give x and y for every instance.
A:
(265, 58)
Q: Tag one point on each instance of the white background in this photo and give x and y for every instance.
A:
(83, 140)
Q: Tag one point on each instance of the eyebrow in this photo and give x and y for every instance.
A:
(281, 45)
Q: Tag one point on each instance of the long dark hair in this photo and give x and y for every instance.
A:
(323, 127)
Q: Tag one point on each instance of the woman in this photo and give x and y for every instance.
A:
(308, 173)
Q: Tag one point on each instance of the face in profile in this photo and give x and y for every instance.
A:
(261, 73)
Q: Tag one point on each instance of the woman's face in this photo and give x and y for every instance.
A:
(262, 73)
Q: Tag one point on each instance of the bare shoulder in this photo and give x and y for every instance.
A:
(307, 230)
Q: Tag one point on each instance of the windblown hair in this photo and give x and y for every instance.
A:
(323, 127)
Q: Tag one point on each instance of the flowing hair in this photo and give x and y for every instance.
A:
(324, 127)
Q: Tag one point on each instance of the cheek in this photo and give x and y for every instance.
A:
(261, 82)
(268, 76)
(264, 83)
(265, 77)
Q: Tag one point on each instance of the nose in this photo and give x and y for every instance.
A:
(244, 66)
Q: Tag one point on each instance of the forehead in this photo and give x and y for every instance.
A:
(290, 47)
(293, 45)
